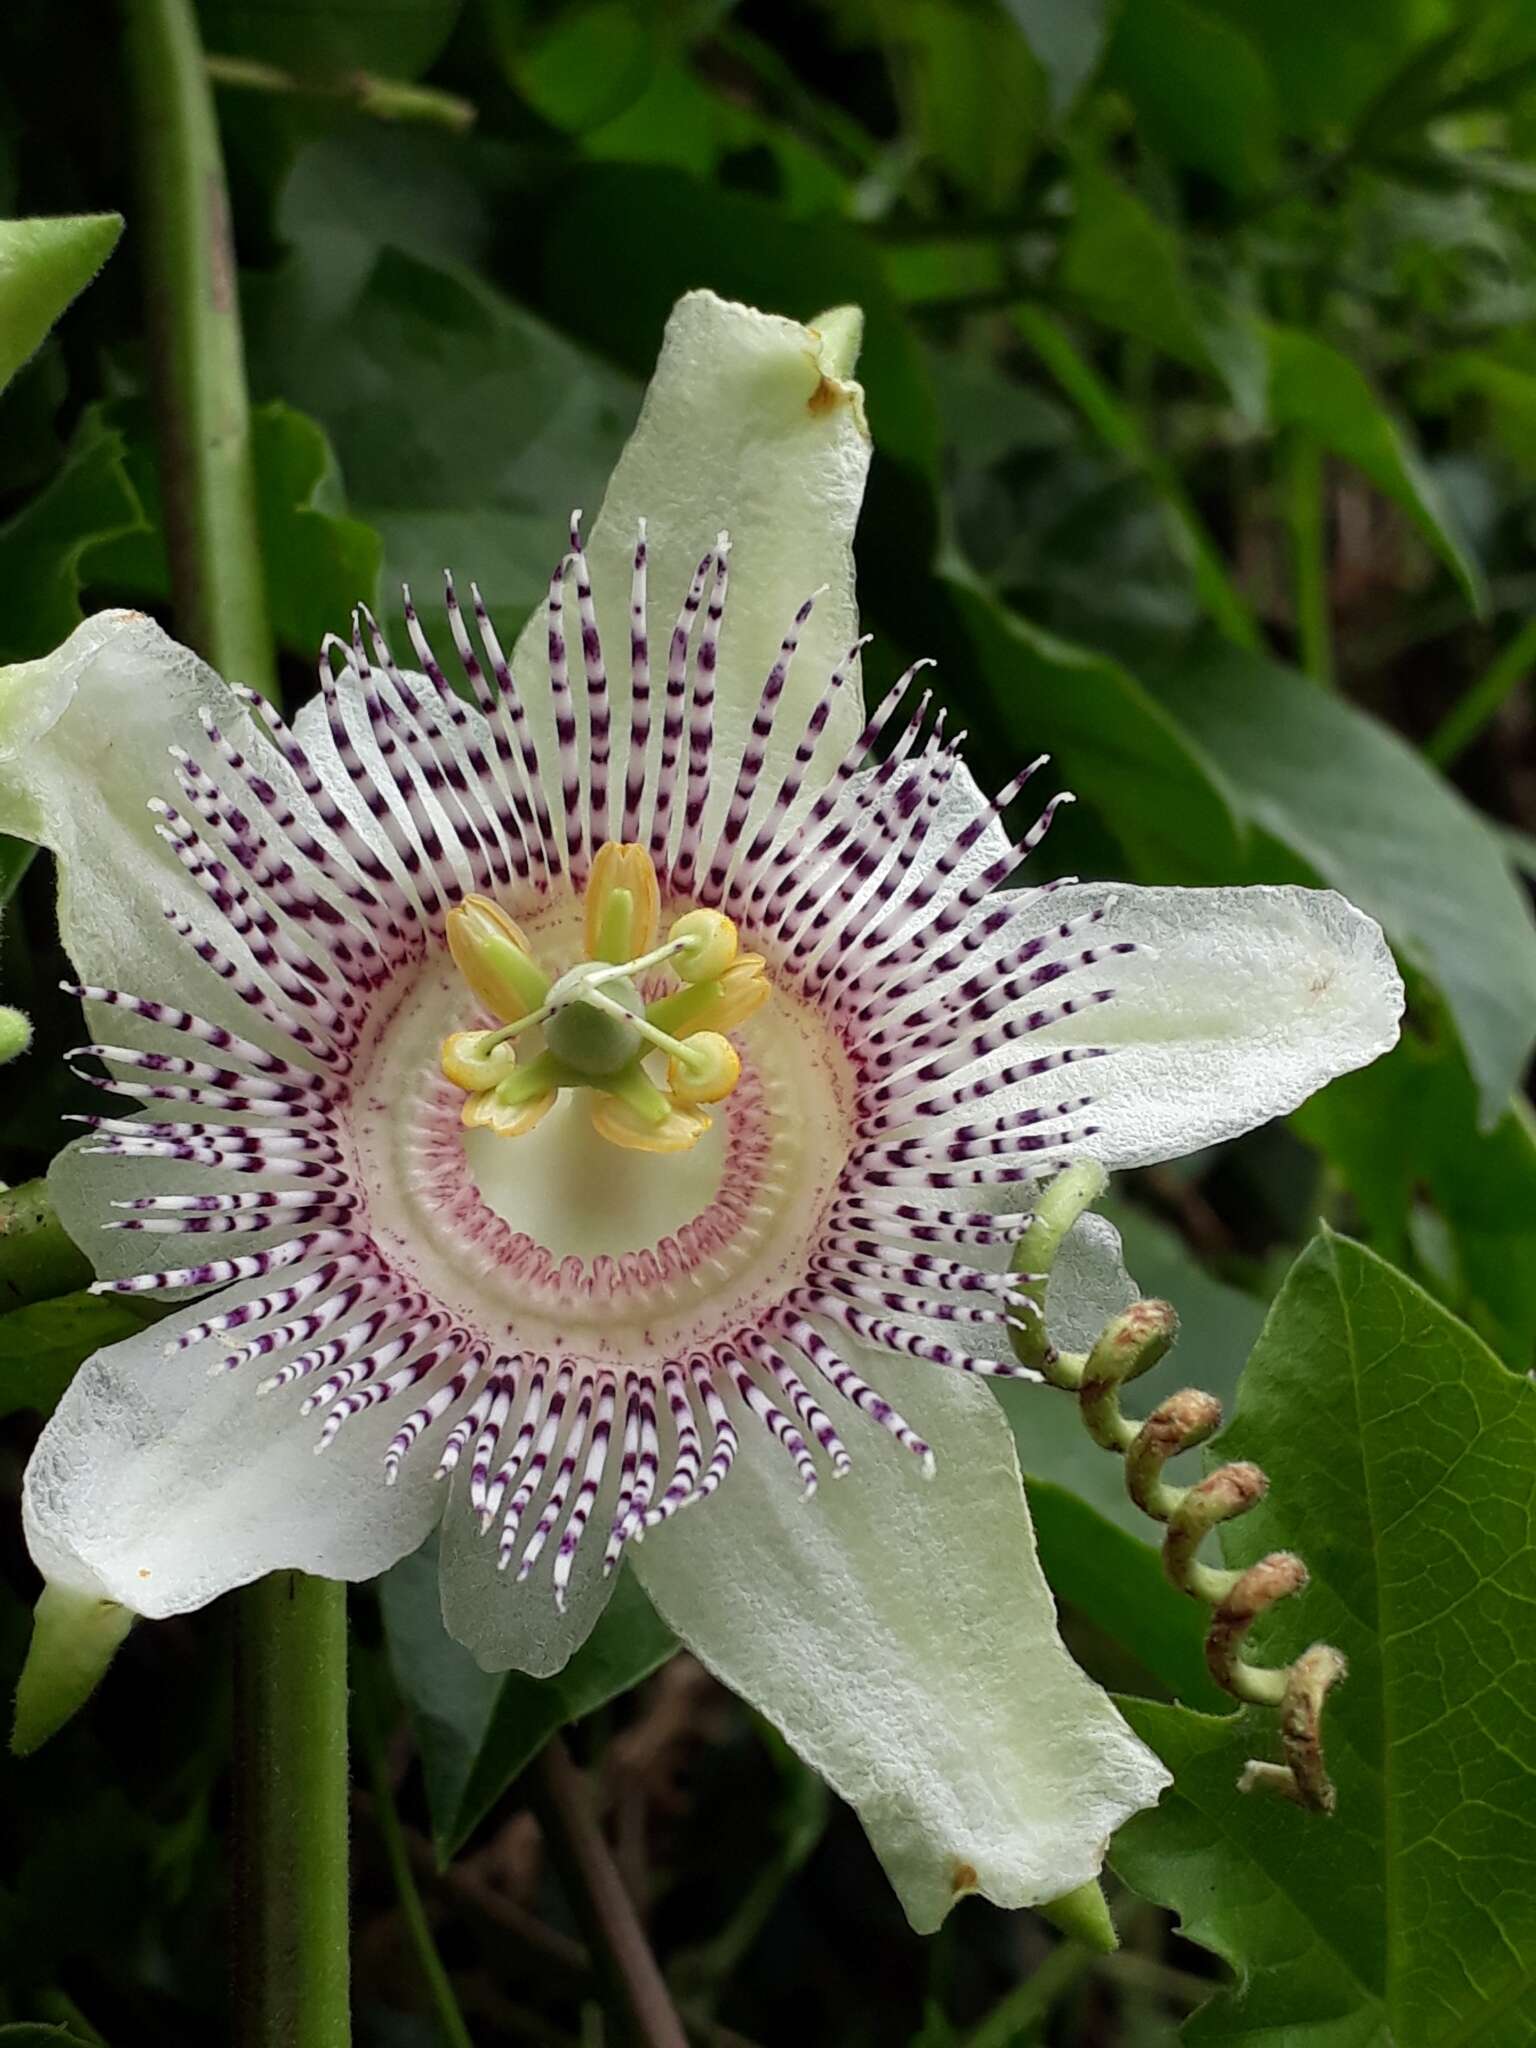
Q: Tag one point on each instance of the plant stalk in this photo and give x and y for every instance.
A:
(202, 411)
(599, 1899)
(290, 1846)
(291, 1951)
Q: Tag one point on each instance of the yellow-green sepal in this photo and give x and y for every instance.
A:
(74, 1638)
(1083, 1915)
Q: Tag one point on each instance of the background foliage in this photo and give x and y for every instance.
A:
(1201, 362)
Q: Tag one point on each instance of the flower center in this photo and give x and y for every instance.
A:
(618, 1254)
(591, 1028)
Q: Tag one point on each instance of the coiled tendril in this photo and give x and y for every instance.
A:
(1130, 1344)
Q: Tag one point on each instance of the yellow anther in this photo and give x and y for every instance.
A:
(468, 1068)
(494, 957)
(711, 944)
(507, 1119)
(710, 1072)
(622, 1124)
(617, 929)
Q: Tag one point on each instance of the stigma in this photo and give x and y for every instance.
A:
(650, 1065)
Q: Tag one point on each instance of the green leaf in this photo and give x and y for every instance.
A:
(1067, 37)
(1454, 1204)
(43, 265)
(1358, 805)
(318, 561)
(1200, 90)
(1402, 1458)
(477, 1730)
(1155, 788)
(1319, 392)
(42, 1346)
(44, 548)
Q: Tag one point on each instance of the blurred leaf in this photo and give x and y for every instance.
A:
(1402, 1135)
(583, 67)
(1321, 393)
(653, 234)
(1359, 806)
(1401, 1456)
(43, 265)
(1127, 268)
(319, 38)
(465, 428)
(476, 1730)
(1200, 90)
(90, 500)
(318, 562)
(1067, 37)
(978, 93)
(1118, 427)
(1156, 790)
(1328, 61)
(682, 120)
(42, 1346)
(1508, 391)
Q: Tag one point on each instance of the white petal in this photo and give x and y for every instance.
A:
(1089, 1284)
(159, 1486)
(1240, 1004)
(512, 1626)
(83, 740)
(742, 429)
(900, 1633)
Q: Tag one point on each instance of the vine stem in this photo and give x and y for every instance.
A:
(290, 1843)
(598, 1895)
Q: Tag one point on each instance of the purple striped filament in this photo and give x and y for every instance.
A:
(580, 1332)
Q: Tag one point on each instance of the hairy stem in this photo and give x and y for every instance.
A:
(197, 359)
(291, 1955)
(600, 1901)
(1131, 1343)
(292, 1967)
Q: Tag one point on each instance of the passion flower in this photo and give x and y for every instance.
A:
(618, 1082)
